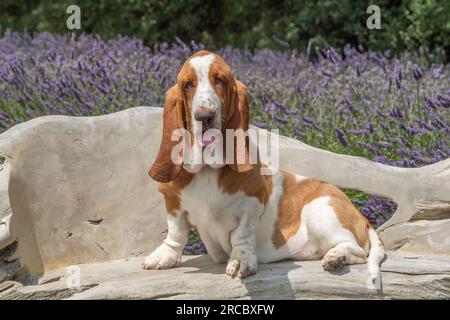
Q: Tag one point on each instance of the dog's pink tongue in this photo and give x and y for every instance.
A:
(207, 141)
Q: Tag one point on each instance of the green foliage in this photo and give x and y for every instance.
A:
(405, 25)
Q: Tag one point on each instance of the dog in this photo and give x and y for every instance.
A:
(244, 217)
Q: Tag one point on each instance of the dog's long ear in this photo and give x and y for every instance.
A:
(239, 119)
(163, 169)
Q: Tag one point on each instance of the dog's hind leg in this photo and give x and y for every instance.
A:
(344, 253)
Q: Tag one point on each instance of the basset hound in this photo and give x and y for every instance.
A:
(243, 216)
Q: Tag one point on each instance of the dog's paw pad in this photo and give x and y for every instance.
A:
(333, 262)
(241, 269)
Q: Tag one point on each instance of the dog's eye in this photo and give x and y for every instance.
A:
(218, 81)
(188, 85)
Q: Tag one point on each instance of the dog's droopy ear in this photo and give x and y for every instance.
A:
(164, 169)
(240, 120)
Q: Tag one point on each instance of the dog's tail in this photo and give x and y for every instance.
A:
(376, 255)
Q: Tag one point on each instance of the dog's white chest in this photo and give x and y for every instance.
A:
(209, 207)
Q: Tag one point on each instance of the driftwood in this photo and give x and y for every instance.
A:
(75, 190)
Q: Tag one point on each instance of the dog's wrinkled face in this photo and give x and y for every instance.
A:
(206, 100)
(206, 83)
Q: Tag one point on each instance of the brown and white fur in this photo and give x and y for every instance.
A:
(244, 217)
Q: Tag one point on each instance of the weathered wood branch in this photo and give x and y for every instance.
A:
(5, 207)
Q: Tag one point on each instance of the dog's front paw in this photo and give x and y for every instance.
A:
(163, 257)
(241, 268)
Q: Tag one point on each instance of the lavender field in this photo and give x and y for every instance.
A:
(393, 110)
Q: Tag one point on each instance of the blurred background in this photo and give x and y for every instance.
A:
(406, 25)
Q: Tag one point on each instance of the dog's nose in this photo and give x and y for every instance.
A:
(206, 116)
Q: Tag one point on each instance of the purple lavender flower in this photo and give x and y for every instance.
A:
(298, 87)
(332, 55)
(350, 106)
(437, 72)
(430, 103)
(341, 137)
(281, 119)
(398, 83)
(358, 70)
(327, 73)
(308, 48)
(443, 101)
(399, 74)
(417, 73)
(396, 113)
